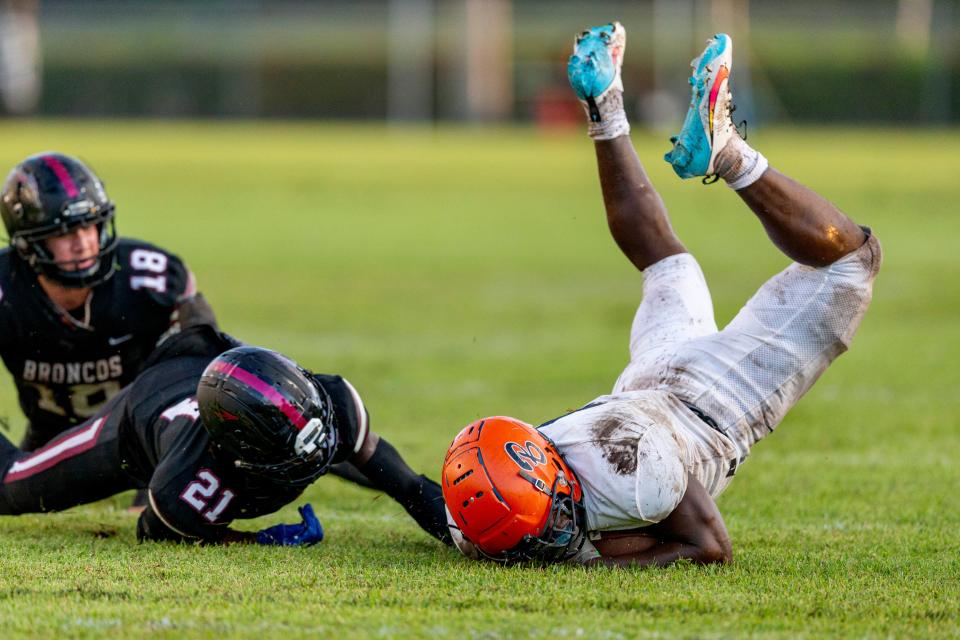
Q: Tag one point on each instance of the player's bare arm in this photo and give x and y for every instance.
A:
(695, 531)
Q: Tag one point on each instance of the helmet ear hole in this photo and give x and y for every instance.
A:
(463, 477)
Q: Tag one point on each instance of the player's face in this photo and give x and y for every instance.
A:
(76, 250)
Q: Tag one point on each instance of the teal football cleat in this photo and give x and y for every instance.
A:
(708, 127)
(594, 67)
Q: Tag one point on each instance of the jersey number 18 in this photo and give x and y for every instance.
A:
(151, 262)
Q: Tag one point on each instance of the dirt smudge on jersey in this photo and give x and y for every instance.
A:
(672, 379)
(617, 442)
(621, 454)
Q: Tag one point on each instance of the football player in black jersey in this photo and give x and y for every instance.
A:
(217, 432)
(80, 308)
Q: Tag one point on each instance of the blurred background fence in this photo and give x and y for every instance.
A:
(869, 61)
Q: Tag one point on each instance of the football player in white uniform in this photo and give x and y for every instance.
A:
(631, 478)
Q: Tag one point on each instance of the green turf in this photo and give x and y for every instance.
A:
(455, 273)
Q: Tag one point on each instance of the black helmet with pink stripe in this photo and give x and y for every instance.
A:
(51, 194)
(268, 415)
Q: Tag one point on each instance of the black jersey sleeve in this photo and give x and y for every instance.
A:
(188, 494)
(161, 276)
(150, 527)
(350, 413)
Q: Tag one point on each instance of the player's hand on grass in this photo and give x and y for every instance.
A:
(306, 533)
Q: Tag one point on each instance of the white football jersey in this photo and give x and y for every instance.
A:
(632, 452)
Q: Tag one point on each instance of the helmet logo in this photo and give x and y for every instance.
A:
(310, 437)
(23, 191)
(527, 456)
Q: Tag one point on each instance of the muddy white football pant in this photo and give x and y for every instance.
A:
(747, 376)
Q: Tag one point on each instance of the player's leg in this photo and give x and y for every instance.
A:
(387, 471)
(676, 303)
(34, 438)
(803, 224)
(747, 376)
(635, 212)
(81, 465)
(750, 374)
(349, 472)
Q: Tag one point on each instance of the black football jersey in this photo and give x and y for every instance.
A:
(65, 369)
(194, 493)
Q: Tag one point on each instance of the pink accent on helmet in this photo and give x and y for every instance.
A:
(264, 389)
(63, 175)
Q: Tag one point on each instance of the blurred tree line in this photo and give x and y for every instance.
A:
(893, 61)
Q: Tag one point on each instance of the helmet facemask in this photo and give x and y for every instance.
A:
(314, 448)
(31, 246)
(563, 533)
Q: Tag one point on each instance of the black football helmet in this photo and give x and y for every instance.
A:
(268, 414)
(51, 194)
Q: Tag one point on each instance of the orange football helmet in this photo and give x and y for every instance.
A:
(511, 494)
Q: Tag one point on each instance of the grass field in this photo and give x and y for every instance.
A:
(455, 273)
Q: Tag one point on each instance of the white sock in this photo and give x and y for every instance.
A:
(739, 164)
(613, 119)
